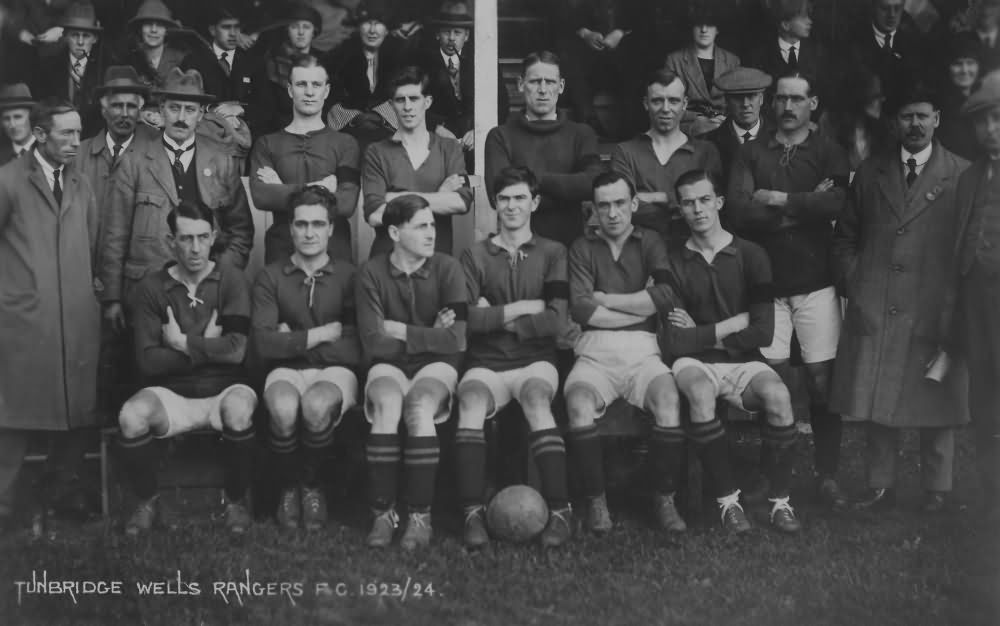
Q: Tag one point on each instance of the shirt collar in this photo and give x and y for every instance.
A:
(111, 142)
(772, 141)
(880, 36)
(230, 54)
(494, 249)
(421, 272)
(170, 282)
(594, 234)
(82, 60)
(921, 157)
(445, 56)
(786, 46)
(28, 146)
(397, 137)
(291, 267)
(173, 144)
(687, 145)
(727, 247)
(47, 169)
(753, 130)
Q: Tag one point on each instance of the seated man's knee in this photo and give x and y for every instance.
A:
(776, 401)
(536, 402)
(582, 405)
(237, 407)
(384, 400)
(700, 393)
(282, 400)
(426, 398)
(321, 403)
(474, 403)
(138, 414)
(663, 401)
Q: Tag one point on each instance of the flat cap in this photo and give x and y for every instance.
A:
(743, 80)
(986, 97)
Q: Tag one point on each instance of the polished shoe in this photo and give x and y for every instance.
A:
(783, 516)
(418, 531)
(667, 516)
(598, 517)
(559, 528)
(237, 516)
(934, 502)
(876, 499)
(383, 527)
(733, 518)
(314, 513)
(830, 494)
(474, 534)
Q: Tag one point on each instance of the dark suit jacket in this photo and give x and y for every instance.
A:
(812, 61)
(896, 70)
(52, 80)
(726, 141)
(348, 73)
(247, 74)
(454, 113)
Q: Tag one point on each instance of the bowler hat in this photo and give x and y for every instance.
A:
(452, 14)
(154, 11)
(80, 16)
(15, 96)
(121, 79)
(185, 86)
(743, 80)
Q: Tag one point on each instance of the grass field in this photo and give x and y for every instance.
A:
(897, 568)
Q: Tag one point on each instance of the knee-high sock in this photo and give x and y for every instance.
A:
(317, 446)
(827, 430)
(781, 440)
(470, 461)
(240, 445)
(287, 463)
(666, 451)
(383, 454)
(713, 448)
(549, 451)
(139, 460)
(588, 459)
(421, 460)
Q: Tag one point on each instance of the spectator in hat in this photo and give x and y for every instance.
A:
(744, 94)
(858, 124)
(962, 77)
(72, 76)
(15, 110)
(451, 68)
(149, 52)
(699, 66)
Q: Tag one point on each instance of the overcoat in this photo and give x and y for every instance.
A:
(49, 313)
(893, 249)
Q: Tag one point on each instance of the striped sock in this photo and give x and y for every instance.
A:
(317, 446)
(713, 448)
(781, 442)
(550, 456)
(287, 464)
(421, 461)
(139, 459)
(588, 459)
(666, 451)
(470, 461)
(240, 446)
(382, 453)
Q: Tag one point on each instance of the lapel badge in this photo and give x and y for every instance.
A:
(206, 172)
(933, 193)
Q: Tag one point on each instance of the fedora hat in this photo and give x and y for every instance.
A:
(80, 16)
(15, 96)
(121, 79)
(986, 97)
(453, 14)
(185, 86)
(154, 11)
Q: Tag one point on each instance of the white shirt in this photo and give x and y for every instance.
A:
(988, 38)
(453, 57)
(125, 145)
(742, 131)
(49, 171)
(880, 36)
(186, 157)
(921, 158)
(82, 61)
(219, 52)
(785, 47)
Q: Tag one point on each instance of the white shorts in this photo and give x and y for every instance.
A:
(815, 317)
(730, 379)
(617, 364)
(506, 386)
(187, 414)
(343, 378)
(441, 372)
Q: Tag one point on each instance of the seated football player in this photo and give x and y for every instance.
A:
(724, 283)
(618, 356)
(303, 329)
(411, 306)
(517, 306)
(190, 324)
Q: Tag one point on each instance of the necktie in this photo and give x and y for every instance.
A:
(793, 59)
(453, 75)
(56, 187)
(117, 150)
(177, 164)
(887, 48)
(224, 60)
(76, 73)
(911, 175)
(747, 136)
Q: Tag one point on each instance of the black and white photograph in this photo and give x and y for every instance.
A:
(499, 312)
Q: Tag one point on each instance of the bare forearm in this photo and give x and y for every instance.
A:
(638, 303)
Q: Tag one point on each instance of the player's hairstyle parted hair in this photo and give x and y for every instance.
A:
(42, 113)
(543, 56)
(402, 209)
(610, 178)
(515, 175)
(192, 211)
(307, 61)
(410, 75)
(802, 76)
(663, 77)
(691, 177)
(310, 195)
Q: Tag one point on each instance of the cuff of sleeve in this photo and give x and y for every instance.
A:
(299, 341)
(705, 335)
(661, 296)
(196, 349)
(582, 312)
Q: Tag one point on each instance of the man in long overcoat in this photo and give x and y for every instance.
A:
(49, 313)
(893, 247)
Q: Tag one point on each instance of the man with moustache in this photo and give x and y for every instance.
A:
(744, 91)
(894, 248)
(49, 313)
(15, 112)
(306, 152)
(784, 193)
(654, 159)
(150, 183)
